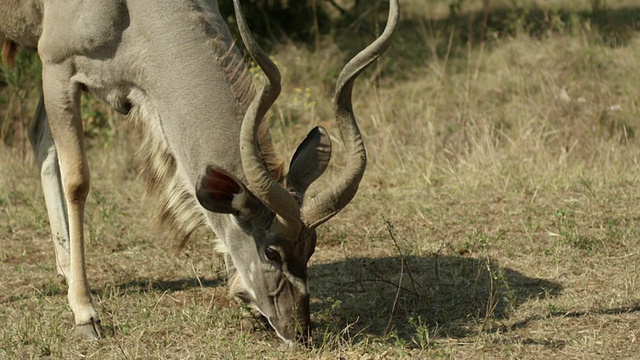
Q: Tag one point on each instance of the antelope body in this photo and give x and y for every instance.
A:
(172, 65)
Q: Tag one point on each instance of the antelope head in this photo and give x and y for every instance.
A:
(273, 213)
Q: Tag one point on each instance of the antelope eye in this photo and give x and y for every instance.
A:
(272, 255)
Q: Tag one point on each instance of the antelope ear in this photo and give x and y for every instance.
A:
(220, 192)
(310, 159)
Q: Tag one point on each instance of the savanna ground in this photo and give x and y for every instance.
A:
(499, 216)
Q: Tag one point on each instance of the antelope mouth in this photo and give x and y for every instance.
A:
(288, 333)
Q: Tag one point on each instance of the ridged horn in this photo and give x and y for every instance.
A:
(329, 202)
(259, 179)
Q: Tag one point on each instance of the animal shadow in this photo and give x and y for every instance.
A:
(397, 295)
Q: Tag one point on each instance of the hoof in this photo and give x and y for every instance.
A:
(90, 331)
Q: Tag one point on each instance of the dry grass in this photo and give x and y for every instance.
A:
(498, 218)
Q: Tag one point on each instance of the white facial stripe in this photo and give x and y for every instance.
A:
(289, 343)
(297, 283)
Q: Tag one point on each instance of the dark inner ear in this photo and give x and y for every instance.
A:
(310, 159)
(216, 189)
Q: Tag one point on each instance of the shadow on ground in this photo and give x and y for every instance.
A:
(396, 295)
(376, 297)
(450, 296)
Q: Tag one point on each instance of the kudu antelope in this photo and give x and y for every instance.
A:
(172, 65)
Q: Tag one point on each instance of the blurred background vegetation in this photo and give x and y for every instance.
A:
(350, 25)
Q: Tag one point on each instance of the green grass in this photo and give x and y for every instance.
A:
(498, 217)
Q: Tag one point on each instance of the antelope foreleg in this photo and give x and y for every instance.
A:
(62, 103)
(46, 156)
